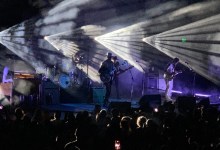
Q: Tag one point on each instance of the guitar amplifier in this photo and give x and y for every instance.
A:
(98, 95)
(152, 83)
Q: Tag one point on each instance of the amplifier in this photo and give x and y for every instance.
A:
(98, 95)
(49, 93)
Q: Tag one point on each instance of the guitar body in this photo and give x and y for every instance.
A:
(170, 76)
(105, 78)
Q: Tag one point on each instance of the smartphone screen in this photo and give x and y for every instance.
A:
(117, 145)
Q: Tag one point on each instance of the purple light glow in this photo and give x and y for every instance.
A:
(202, 95)
(179, 92)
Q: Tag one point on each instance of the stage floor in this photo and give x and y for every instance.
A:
(78, 107)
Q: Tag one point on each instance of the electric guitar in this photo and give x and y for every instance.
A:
(170, 76)
(107, 77)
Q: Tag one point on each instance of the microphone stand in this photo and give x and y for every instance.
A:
(194, 82)
(142, 92)
(132, 85)
(194, 78)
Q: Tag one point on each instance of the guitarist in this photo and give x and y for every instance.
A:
(106, 74)
(169, 74)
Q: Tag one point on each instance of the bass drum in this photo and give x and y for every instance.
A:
(64, 81)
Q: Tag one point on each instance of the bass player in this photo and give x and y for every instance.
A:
(169, 74)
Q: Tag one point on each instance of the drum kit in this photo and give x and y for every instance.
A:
(72, 79)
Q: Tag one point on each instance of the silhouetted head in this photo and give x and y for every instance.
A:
(175, 60)
(114, 57)
(109, 55)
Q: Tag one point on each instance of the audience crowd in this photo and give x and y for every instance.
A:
(169, 128)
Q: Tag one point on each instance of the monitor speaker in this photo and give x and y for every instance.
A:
(98, 95)
(123, 107)
(205, 102)
(186, 103)
(149, 102)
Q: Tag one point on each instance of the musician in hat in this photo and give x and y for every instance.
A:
(106, 74)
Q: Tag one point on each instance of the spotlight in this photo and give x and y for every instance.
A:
(189, 44)
(96, 38)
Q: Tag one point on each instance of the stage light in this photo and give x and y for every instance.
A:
(68, 44)
(29, 39)
(96, 38)
(126, 42)
(183, 39)
(118, 43)
(174, 91)
(192, 43)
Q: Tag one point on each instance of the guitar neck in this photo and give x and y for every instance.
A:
(122, 71)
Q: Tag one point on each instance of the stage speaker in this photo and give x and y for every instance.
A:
(152, 84)
(123, 107)
(186, 103)
(149, 102)
(98, 95)
(49, 93)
